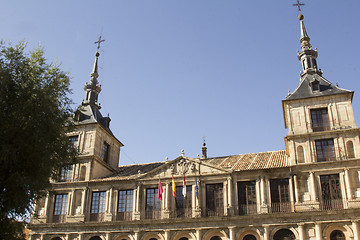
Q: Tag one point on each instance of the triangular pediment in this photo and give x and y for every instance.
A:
(183, 166)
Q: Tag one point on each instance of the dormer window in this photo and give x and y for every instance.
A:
(315, 86)
(105, 152)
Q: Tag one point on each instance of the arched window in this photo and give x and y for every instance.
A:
(82, 173)
(215, 238)
(284, 234)
(300, 154)
(337, 235)
(249, 237)
(350, 149)
(95, 238)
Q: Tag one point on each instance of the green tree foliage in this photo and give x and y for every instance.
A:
(35, 113)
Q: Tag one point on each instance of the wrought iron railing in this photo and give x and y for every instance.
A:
(124, 216)
(97, 217)
(281, 207)
(59, 218)
(247, 209)
(153, 214)
(214, 212)
(181, 213)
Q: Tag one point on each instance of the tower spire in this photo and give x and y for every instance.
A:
(307, 55)
(92, 88)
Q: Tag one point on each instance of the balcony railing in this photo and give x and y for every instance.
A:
(97, 217)
(59, 218)
(153, 214)
(124, 216)
(181, 213)
(281, 207)
(247, 209)
(214, 212)
(331, 204)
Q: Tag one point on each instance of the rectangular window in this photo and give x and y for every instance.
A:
(320, 119)
(60, 207)
(74, 140)
(98, 201)
(183, 204)
(153, 204)
(66, 173)
(214, 200)
(280, 197)
(125, 204)
(105, 152)
(247, 197)
(325, 150)
(60, 204)
(331, 192)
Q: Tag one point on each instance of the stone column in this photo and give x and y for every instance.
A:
(136, 236)
(291, 190)
(230, 190)
(110, 202)
(231, 233)
(262, 191)
(81, 236)
(47, 199)
(318, 233)
(355, 227)
(167, 197)
(167, 235)
(266, 232)
(83, 201)
(296, 188)
(198, 234)
(225, 194)
(71, 203)
(108, 237)
(301, 231)
(348, 184)
(258, 197)
(313, 187)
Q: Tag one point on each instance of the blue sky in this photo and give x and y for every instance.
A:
(173, 71)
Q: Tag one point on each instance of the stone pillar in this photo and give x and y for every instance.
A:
(67, 237)
(296, 188)
(301, 231)
(348, 184)
(266, 232)
(107, 236)
(71, 203)
(167, 235)
(167, 197)
(262, 191)
(198, 234)
(81, 236)
(355, 227)
(230, 190)
(83, 201)
(258, 197)
(318, 233)
(47, 199)
(136, 211)
(110, 202)
(225, 194)
(313, 187)
(42, 236)
(136, 236)
(291, 190)
(231, 233)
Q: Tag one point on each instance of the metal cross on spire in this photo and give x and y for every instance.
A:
(98, 42)
(298, 4)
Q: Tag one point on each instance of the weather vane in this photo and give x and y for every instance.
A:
(98, 42)
(298, 4)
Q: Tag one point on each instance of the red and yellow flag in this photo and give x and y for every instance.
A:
(173, 187)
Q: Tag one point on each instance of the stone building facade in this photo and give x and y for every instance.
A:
(309, 191)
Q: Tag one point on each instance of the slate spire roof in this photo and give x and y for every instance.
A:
(312, 83)
(89, 111)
